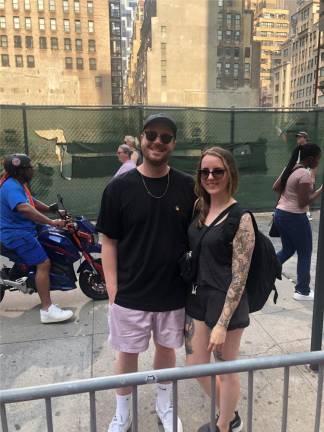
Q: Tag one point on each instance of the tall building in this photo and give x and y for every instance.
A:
(321, 57)
(210, 60)
(302, 53)
(54, 52)
(116, 61)
(128, 13)
(130, 95)
(271, 29)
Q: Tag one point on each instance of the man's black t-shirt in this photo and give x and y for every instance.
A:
(151, 234)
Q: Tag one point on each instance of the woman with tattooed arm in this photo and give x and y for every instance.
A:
(217, 308)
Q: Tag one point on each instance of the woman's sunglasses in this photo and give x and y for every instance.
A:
(152, 135)
(217, 173)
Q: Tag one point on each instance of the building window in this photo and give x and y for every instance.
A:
(29, 41)
(114, 11)
(76, 6)
(235, 69)
(19, 61)
(164, 80)
(92, 45)
(228, 20)
(53, 24)
(90, 7)
(2, 4)
(219, 34)
(15, 4)
(28, 23)
(65, 5)
(54, 43)
(3, 41)
(4, 60)
(17, 42)
(116, 66)
(79, 63)
(237, 21)
(247, 68)
(68, 63)
(219, 67)
(227, 68)
(98, 81)
(115, 29)
(77, 26)
(92, 64)
(78, 44)
(115, 47)
(66, 25)
(90, 26)
(220, 3)
(27, 4)
(30, 61)
(228, 34)
(2, 22)
(41, 23)
(40, 5)
(16, 23)
(67, 44)
(236, 52)
(42, 42)
(237, 35)
(51, 5)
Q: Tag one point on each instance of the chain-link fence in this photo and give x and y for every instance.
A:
(84, 140)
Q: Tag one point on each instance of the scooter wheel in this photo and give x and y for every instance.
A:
(92, 285)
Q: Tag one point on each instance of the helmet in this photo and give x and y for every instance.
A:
(14, 162)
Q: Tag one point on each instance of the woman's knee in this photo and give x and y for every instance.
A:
(230, 379)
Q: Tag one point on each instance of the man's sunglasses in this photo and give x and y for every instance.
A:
(217, 173)
(152, 135)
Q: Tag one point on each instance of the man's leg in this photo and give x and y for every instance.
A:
(43, 283)
(168, 333)
(129, 334)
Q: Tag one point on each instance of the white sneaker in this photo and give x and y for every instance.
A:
(55, 314)
(298, 296)
(310, 217)
(166, 418)
(117, 425)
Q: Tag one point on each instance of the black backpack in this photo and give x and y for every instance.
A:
(265, 267)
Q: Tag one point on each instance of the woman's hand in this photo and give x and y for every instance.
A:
(217, 339)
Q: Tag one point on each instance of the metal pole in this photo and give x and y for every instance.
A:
(232, 130)
(318, 308)
(24, 119)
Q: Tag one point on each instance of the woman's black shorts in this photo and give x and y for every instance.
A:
(207, 305)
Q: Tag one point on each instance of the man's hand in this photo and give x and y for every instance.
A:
(58, 223)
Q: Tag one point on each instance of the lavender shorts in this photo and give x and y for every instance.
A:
(130, 330)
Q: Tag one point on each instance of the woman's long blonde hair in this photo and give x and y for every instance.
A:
(203, 203)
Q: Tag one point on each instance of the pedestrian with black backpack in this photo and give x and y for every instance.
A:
(217, 306)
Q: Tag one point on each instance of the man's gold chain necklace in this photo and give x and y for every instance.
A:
(150, 193)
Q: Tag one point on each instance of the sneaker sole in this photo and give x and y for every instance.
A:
(238, 428)
(55, 321)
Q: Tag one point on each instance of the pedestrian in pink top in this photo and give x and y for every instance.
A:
(124, 154)
(296, 188)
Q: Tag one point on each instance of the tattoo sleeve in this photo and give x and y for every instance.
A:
(243, 245)
(189, 332)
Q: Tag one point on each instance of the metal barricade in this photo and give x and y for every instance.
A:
(90, 386)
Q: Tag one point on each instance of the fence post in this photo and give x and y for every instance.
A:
(232, 131)
(24, 118)
(318, 308)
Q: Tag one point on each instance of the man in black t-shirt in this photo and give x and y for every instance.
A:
(144, 218)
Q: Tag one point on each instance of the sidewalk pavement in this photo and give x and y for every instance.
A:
(33, 354)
